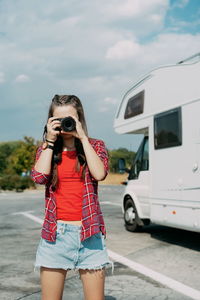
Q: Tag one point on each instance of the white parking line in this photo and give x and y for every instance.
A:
(110, 203)
(28, 215)
(165, 280)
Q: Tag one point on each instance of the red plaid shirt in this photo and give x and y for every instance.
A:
(92, 217)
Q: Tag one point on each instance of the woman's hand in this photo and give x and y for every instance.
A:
(52, 124)
(79, 132)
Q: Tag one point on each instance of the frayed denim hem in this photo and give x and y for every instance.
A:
(93, 268)
(99, 267)
(37, 267)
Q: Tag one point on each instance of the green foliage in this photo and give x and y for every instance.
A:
(17, 158)
(6, 149)
(114, 156)
(15, 182)
(23, 158)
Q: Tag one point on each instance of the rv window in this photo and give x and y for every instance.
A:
(141, 161)
(167, 129)
(134, 106)
(145, 157)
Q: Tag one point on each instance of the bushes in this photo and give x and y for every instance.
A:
(16, 182)
(114, 156)
(16, 159)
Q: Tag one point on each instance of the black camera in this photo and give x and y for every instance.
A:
(67, 124)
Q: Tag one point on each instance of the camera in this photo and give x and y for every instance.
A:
(67, 124)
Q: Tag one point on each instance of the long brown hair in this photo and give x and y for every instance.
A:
(60, 100)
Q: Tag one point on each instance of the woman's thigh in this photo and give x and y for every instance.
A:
(93, 283)
(52, 283)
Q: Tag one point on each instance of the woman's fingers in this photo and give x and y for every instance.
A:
(55, 123)
(52, 119)
(79, 129)
(74, 133)
(52, 124)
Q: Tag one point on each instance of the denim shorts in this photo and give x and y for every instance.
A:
(69, 253)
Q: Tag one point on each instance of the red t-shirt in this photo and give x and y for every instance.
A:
(69, 192)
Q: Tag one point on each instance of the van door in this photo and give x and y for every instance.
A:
(139, 179)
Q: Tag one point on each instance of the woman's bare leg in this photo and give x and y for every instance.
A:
(52, 283)
(93, 283)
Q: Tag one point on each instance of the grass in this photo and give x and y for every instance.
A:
(114, 178)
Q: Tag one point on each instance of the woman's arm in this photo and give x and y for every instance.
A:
(97, 161)
(97, 166)
(39, 177)
(43, 164)
(40, 173)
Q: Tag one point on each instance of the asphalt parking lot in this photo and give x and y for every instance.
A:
(172, 255)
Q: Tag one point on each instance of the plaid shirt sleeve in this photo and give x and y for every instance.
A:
(38, 177)
(101, 151)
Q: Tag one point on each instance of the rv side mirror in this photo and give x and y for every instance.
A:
(122, 166)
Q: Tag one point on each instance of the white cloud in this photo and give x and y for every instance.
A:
(60, 41)
(180, 3)
(103, 109)
(95, 49)
(22, 78)
(2, 77)
(139, 16)
(135, 8)
(110, 100)
(125, 49)
(107, 104)
(170, 48)
(156, 18)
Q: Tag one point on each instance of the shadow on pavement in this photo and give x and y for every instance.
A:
(180, 237)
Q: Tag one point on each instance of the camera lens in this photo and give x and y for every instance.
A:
(68, 124)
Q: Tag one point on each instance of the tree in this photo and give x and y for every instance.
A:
(17, 158)
(23, 158)
(114, 156)
(6, 149)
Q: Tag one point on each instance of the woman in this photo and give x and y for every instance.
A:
(70, 164)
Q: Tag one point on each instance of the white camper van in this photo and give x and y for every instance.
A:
(163, 185)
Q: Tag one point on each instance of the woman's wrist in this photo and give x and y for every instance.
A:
(50, 142)
(47, 145)
(84, 138)
(50, 139)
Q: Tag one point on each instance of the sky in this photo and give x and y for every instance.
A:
(93, 49)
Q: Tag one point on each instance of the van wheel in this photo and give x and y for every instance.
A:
(131, 216)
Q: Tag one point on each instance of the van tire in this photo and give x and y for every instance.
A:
(131, 218)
